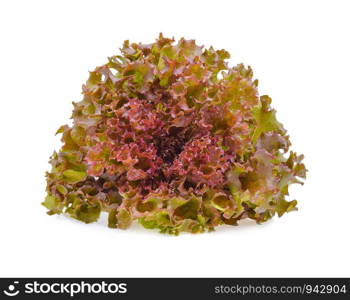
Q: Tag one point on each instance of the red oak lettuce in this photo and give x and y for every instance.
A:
(169, 135)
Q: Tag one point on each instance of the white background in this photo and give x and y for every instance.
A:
(299, 51)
